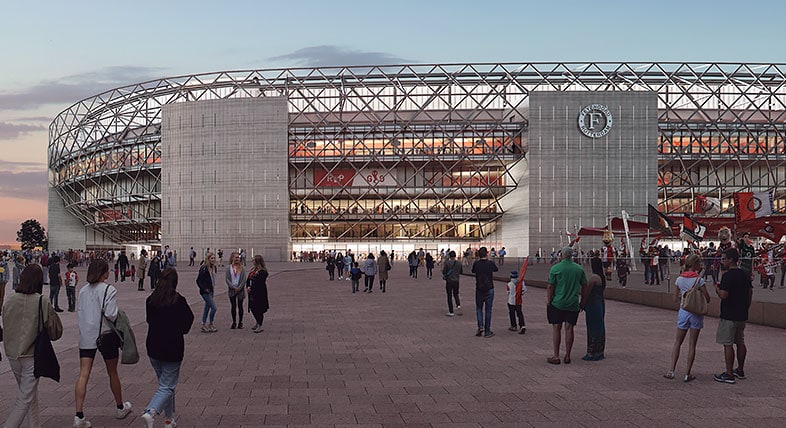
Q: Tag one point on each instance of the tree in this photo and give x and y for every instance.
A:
(31, 235)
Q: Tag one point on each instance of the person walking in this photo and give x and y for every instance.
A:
(383, 265)
(169, 318)
(451, 273)
(413, 262)
(566, 281)
(347, 265)
(687, 321)
(55, 281)
(484, 269)
(191, 256)
(235, 278)
(369, 269)
(4, 275)
(156, 265)
(256, 283)
(330, 266)
(19, 266)
(206, 282)
(96, 308)
(516, 289)
(340, 266)
(122, 263)
(736, 292)
(429, 265)
(594, 304)
(142, 264)
(25, 313)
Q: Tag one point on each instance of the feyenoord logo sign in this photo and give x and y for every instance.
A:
(595, 120)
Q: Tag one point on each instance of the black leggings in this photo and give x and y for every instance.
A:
(369, 282)
(236, 302)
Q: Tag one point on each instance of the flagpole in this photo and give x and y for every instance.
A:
(627, 238)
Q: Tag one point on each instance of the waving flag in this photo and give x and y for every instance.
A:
(658, 221)
(693, 229)
(749, 205)
(707, 206)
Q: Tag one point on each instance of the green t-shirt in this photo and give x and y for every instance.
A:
(567, 277)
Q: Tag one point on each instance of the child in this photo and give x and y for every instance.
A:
(71, 279)
(516, 289)
(622, 271)
(133, 273)
(354, 274)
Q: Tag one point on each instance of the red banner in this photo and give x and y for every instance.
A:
(106, 215)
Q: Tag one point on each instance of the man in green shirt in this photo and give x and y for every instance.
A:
(566, 282)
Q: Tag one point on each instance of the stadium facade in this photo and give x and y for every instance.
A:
(408, 156)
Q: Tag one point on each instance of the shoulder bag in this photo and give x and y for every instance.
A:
(44, 358)
(693, 300)
(122, 329)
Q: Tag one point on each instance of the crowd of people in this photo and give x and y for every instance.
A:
(99, 321)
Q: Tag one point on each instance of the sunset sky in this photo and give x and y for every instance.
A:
(55, 53)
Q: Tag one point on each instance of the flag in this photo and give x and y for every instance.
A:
(523, 271)
(693, 229)
(707, 206)
(772, 230)
(658, 221)
(749, 205)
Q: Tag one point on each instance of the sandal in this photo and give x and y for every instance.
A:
(689, 377)
(669, 375)
(566, 360)
(553, 360)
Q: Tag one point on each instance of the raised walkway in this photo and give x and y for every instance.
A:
(331, 358)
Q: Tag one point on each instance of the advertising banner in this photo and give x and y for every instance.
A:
(345, 177)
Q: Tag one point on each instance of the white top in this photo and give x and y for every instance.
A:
(88, 312)
(685, 284)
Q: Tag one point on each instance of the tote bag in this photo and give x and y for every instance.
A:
(45, 362)
(693, 301)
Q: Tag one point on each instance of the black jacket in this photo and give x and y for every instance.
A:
(204, 280)
(166, 327)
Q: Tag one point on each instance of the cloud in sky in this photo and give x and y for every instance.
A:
(68, 89)
(11, 131)
(26, 184)
(329, 55)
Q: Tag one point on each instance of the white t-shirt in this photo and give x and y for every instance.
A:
(685, 283)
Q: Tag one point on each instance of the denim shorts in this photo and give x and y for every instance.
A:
(687, 320)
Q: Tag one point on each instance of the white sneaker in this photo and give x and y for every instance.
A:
(122, 413)
(81, 423)
(450, 314)
(147, 418)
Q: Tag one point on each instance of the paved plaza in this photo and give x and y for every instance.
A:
(331, 358)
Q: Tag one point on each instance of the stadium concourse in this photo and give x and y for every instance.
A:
(331, 358)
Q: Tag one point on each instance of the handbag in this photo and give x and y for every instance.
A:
(44, 358)
(693, 301)
(122, 329)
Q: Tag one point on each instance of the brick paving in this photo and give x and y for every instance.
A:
(331, 358)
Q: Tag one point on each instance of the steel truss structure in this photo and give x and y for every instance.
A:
(419, 151)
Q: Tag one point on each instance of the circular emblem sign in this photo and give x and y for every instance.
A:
(595, 120)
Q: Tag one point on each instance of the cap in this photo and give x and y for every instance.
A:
(514, 274)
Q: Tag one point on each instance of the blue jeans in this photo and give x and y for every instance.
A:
(164, 398)
(54, 291)
(484, 298)
(210, 306)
